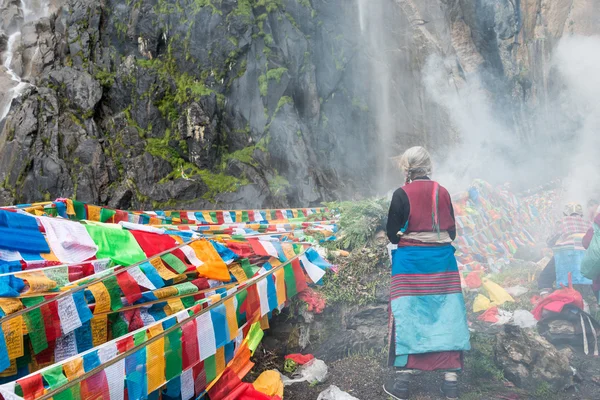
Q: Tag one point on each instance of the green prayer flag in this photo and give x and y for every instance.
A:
(245, 264)
(119, 326)
(139, 338)
(186, 288)
(290, 281)
(255, 335)
(210, 366)
(188, 301)
(55, 378)
(241, 298)
(298, 248)
(174, 263)
(301, 214)
(245, 217)
(106, 214)
(35, 324)
(80, 212)
(58, 275)
(117, 244)
(114, 291)
(273, 215)
(173, 358)
(175, 214)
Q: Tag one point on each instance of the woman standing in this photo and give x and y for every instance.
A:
(428, 318)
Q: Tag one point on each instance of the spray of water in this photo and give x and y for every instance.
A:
(32, 11)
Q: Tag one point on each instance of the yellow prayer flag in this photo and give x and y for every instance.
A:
(264, 323)
(220, 360)
(38, 281)
(180, 278)
(155, 359)
(10, 305)
(102, 298)
(93, 213)
(167, 291)
(215, 298)
(74, 368)
(174, 305)
(231, 318)
(238, 216)
(13, 334)
(237, 271)
(280, 286)
(162, 270)
(70, 208)
(178, 239)
(99, 325)
(288, 250)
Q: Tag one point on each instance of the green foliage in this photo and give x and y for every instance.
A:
(278, 185)
(106, 78)
(276, 74)
(263, 85)
(270, 5)
(480, 360)
(283, 101)
(359, 277)
(245, 155)
(359, 221)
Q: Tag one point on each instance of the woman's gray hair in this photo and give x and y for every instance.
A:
(416, 162)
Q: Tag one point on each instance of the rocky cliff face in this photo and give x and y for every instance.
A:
(225, 103)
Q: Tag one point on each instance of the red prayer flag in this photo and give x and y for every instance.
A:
(189, 339)
(32, 386)
(258, 248)
(301, 284)
(129, 286)
(199, 378)
(51, 320)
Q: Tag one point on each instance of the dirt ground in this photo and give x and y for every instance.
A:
(363, 376)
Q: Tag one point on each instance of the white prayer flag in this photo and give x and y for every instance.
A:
(262, 293)
(115, 374)
(66, 347)
(141, 278)
(187, 384)
(146, 317)
(191, 216)
(70, 241)
(314, 272)
(206, 336)
(269, 248)
(258, 216)
(227, 217)
(68, 315)
(191, 256)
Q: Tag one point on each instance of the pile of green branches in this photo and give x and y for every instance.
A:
(359, 221)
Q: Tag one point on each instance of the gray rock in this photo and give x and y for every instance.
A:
(528, 360)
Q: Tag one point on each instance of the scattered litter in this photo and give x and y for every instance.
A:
(497, 294)
(314, 300)
(335, 393)
(314, 371)
(516, 291)
(504, 317)
(269, 383)
(300, 359)
(481, 303)
(491, 315)
(524, 319)
(473, 280)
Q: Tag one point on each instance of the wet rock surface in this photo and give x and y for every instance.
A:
(530, 361)
(238, 103)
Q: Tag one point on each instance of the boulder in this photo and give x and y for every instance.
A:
(530, 361)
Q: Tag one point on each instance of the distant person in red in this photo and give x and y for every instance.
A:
(429, 329)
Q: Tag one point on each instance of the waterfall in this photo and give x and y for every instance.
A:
(376, 44)
(32, 11)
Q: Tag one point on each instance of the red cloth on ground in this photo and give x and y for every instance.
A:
(473, 280)
(491, 315)
(557, 300)
(316, 302)
(300, 359)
